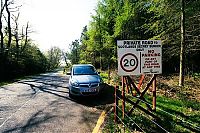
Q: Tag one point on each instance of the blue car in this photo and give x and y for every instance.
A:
(84, 80)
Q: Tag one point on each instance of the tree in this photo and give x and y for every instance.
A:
(84, 56)
(31, 61)
(182, 51)
(142, 19)
(54, 56)
(7, 3)
(74, 55)
(1, 25)
(19, 56)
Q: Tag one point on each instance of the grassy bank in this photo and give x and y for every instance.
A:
(177, 109)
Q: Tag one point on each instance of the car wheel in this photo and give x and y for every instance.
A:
(71, 95)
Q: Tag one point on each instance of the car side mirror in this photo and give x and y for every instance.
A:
(68, 73)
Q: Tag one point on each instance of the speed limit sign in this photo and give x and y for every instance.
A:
(137, 57)
(129, 62)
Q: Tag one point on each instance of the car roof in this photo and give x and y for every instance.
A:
(82, 65)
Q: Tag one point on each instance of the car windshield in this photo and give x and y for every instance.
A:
(84, 70)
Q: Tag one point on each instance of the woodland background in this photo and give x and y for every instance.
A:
(114, 20)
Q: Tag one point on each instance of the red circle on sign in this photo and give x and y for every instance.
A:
(135, 66)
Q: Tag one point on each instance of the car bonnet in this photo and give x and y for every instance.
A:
(86, 78)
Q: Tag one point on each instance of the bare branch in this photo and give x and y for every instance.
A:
(26, 37)
(9, 24)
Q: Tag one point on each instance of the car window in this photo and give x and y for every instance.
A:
(84, 70)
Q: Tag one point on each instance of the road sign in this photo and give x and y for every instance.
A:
(129, 62)
(137, 57)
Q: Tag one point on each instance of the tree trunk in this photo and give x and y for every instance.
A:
(1, 34)
(181, 72)
(26, 38)
(16, 35)
(1, 25)
(101, 44)
(9, 25)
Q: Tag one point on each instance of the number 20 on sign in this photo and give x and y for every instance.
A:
(128, 62)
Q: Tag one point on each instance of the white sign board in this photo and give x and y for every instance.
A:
(137, 57)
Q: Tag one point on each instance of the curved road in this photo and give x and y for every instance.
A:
(42, 104)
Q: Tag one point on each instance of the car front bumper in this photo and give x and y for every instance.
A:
(79, 91)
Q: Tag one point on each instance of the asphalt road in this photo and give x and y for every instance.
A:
(42, 104)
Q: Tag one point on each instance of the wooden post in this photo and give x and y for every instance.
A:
(127, 86)
(123, 97)
(116, 104)
(154, 94)
(141, 81)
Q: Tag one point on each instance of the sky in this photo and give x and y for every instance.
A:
(56, 22)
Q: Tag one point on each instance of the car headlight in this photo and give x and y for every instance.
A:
(75, 84)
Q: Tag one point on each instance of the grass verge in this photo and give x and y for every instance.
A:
(177, 109)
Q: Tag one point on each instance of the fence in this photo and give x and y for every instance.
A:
(125, 98)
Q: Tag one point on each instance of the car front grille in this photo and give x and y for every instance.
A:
(91, 85)
(84, 85)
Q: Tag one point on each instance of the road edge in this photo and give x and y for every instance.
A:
(101, 119)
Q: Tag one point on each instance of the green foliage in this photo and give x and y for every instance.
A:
(196, 75)
(54, 55)
(18, 55)
(74, 55)
(33, 60)
(139, 19)
(104, 76)
(176, 115)
(30, 61)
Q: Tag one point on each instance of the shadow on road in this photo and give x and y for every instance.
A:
(106, 97)
(57, 85)
(34, 121)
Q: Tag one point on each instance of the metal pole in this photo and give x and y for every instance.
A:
(154, 94)
(123, 97)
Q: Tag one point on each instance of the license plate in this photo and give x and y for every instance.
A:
(90, 90)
